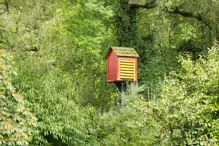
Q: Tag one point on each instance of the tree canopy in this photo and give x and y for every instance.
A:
(58, 94)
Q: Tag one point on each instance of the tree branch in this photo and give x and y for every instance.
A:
(137, 4)
(134, 4)
(186, 14)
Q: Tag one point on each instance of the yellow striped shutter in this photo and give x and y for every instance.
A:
(127, 69)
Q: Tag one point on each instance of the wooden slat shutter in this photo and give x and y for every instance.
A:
(127, 69)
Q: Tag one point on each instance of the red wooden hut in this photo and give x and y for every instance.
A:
(122, 64)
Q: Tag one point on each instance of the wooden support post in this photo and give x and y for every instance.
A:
(122, 87)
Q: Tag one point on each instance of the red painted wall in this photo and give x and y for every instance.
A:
(113, 64)
(113, 67)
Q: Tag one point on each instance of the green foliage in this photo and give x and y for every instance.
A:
(163, 34)
(187, 107)
(17, 122)
(60, 48)
(85, 39)
(51, 93)
(68, 71)
(126, 126)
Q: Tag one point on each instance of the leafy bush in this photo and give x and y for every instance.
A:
(67, 75)
(187, 108)
(126, 125)
(16, 121)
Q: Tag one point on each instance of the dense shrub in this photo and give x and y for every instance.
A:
(186, 109)
(16, 121)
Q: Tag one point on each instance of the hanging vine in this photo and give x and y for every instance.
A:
(126, 24)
